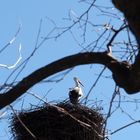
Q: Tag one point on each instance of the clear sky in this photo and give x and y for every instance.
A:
(28, 14)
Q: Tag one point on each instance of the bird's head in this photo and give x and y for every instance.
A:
(77, 81)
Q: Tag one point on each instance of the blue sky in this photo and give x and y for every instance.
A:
(28, 14)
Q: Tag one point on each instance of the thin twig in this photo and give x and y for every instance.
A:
(26, 128)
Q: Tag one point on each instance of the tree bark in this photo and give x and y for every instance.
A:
(131, 10)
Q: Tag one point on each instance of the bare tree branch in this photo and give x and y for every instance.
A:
(123, 127)
(131, 10)
(55, 67)
(125, 75)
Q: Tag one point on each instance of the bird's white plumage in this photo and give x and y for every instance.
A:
(76, 92)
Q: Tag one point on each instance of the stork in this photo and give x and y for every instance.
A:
(76, 92)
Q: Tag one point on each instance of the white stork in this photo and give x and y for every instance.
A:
(76, 92)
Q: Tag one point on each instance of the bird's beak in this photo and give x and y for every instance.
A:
(81, 84)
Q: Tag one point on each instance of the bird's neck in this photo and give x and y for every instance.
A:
(77, 84)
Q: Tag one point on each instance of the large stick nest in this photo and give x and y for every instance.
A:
(63, 121)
